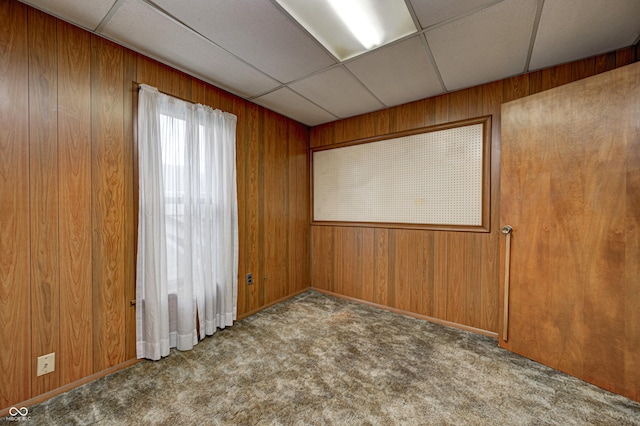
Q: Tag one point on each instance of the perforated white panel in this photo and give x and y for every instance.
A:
(431, 178)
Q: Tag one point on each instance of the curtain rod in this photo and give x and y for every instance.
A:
(185, 100)
(168, 94)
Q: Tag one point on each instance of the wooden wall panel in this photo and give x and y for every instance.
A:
(515, 87)
(43, 193)
(68, 198)
(350, 260)
(473, 286)
(402, 273)
(605, 62)
(276, 208)
(410, 116)
(175, 83)
(322, 135)
(583, 68)
(15, 289)
(549, 78)
(149, 72)
(322, 259)
(74, 157)
(456, 279)
(107, 203)
(299, 199)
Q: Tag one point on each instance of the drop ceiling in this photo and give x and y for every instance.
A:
(254, 49)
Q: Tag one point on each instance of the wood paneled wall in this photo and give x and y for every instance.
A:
(451, 277)
(68, 206)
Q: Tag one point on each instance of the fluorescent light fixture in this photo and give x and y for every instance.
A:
(348, 28)
(360, 20)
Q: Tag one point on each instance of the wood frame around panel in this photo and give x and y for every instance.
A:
(486, 177)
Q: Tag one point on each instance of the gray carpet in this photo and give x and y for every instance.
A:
(317, 360)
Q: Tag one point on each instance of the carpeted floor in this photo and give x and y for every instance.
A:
(317, 360)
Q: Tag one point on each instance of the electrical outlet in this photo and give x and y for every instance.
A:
(249, 279)
(46, 364)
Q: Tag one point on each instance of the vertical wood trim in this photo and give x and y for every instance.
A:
(490, 268)
(74, 141)
(107, 203)
(428, 273)
(241, 188)
(368, 264)
(43, 191)
(392, 264)
(15, 281)
(129, 126)
(260, 248)
(381, 265)
(253, 130)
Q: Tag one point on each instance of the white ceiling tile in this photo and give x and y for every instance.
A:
(338, 92)
(292, 105)
(256, 31)
(431, 12)
(398, 73)
(85, 13)
(575, 29)
(485, 46)
(141, 27)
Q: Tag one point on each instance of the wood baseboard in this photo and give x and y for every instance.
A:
(275, 302)
(411, 314)
(62, 389)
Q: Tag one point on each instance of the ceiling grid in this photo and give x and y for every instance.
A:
(256, 50)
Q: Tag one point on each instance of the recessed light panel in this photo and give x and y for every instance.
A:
(350, 28)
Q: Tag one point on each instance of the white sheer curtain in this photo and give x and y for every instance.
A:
(187, 266)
